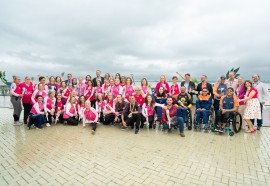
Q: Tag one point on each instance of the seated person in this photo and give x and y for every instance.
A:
(160, 97)
(109, 110)
(71, 114)
(59, 108)
(90, 115)
(203, 105)
(37, 114)
(228, 104)
(183, 101)
(131, 114)
(120, 105)
(170, 118)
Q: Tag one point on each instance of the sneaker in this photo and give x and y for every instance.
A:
(123, 128)
(182, 134)
(17, 123)
(136, 131)
(206, 127)
(93, 132)
(221, 130)
(48, 124)
(216, 129)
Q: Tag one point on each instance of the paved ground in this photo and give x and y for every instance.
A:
(66, 155)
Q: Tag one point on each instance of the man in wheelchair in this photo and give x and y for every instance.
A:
(203, 106)
(183, 102)
(170, 118)
(228, 106)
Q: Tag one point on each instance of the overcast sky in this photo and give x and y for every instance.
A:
(146, 38)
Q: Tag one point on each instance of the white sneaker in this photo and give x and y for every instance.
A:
(48, 124)
(17, 123)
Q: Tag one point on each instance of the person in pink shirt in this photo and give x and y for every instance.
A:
(81, 106)
(99, 88)
(117, 76)
(139, 96)
(39, 91)
(52, 85)
(148, 110)
(253, 108)
(62, 87)
(87, 78)
(90, 93)
(16, 96)
(175, 89)
(117, 88)
(49, 107)
(71, 114)
(37, 114)
(129, 89)
(90, 115)
(163, 83)
(100, 106)
(42, 80)
(67, 91)
(107, 76)
(59, 109)
(58, 81)
(27, 90)
(80, 87)
(123, 81)
(145, 87)
(109, 110)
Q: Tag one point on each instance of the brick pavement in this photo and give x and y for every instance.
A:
(67, 155)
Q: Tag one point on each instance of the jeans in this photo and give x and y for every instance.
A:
(182, 112)
(37, 119)
(259, 121)
(179, 122)
(26, 111)
(202, 114)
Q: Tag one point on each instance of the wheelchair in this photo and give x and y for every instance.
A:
(188, 117)
(234, 121)
(210, 120)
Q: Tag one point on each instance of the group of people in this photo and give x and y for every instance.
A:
(116, 99)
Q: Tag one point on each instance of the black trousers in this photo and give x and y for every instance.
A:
(223, 118)
(109, 118)
(72, 121)
(150, 120)
(134, 118)
(94, 126)
(49, 120)
(26, 111)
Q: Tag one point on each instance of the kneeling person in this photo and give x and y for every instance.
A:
(37, 114)
(170, 118)
(90, 115)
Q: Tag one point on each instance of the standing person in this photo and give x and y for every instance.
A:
(129, 89)
(80, 87)
(173, 120)
(58, 81)
(67, 91)
(131, 114)
(16, 96)
(175, 89)
(88, 78)
(204, 84)
(253, 108)
(37, 114)
(52, 85)
(107, 76)
(71, 115)
(219, 90)
(163, 83)
(117, 89)
(90, 93)
(190, 85)
(240, 93)
(74, 84)
(106, 88)
(100, 106)
(109, 110)
(42, 80)
(49, 107)
(123, 81)
(232, 81)
(98, 88)
(39, 91)
(59, 108)
(27, 90)
(117, 76)
(145, 87)
(62, 87)
(263, 97)
(69, 79)
(90, 115)
(98, 77)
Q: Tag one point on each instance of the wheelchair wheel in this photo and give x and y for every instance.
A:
(189, 120)
(237, 122)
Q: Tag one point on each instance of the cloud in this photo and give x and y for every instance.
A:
(146, 38)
